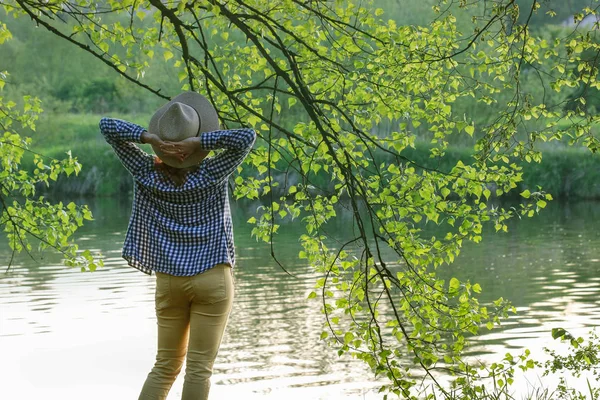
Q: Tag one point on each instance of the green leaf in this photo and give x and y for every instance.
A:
(182, 75)
(103, 46)
(454, 285)
(348, 337)
(558, 333)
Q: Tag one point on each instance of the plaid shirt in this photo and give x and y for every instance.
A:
(183, 230)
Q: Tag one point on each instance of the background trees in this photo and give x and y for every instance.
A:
(336, 89)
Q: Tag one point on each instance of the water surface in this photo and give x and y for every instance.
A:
(71, 335)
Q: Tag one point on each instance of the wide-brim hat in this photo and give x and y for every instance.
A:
(186, 115)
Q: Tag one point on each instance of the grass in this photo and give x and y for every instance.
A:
(102, 172)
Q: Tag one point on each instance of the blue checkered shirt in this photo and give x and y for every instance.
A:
(183, 230)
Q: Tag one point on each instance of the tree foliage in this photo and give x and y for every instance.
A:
(343, 70)
(28, 219)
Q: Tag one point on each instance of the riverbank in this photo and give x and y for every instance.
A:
(567, 173)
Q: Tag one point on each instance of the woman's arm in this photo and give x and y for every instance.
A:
(123, 136)
(236, 143)
(150, 138)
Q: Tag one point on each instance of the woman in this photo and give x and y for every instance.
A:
(180, 228)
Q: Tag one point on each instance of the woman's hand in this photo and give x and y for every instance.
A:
(182, 149)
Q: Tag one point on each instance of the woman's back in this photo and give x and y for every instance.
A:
(180, 230)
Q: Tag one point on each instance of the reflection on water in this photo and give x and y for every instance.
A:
(71, 335)
(548, 267)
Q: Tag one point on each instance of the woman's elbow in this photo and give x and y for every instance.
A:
(103, 124)
(250, 137)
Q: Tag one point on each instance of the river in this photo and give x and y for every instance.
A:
(71, 335)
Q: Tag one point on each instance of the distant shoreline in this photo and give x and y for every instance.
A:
(565, 172)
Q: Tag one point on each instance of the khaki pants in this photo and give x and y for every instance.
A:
(192, 313)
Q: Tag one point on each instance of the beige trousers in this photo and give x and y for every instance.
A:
(192, 313)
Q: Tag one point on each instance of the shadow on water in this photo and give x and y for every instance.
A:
(547, 266)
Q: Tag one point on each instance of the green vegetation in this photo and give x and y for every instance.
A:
(73, 100)
(564, 172)
(50, 225)
(102, 173)
(424, 115)
(579, 360)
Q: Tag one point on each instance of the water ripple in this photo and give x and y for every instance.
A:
(57, 319)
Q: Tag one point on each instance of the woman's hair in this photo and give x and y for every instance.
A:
(175, 175)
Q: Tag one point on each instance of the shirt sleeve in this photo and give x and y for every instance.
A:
(123, 136)
(236, 144)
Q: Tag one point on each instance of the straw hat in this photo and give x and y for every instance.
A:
(185, 116)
